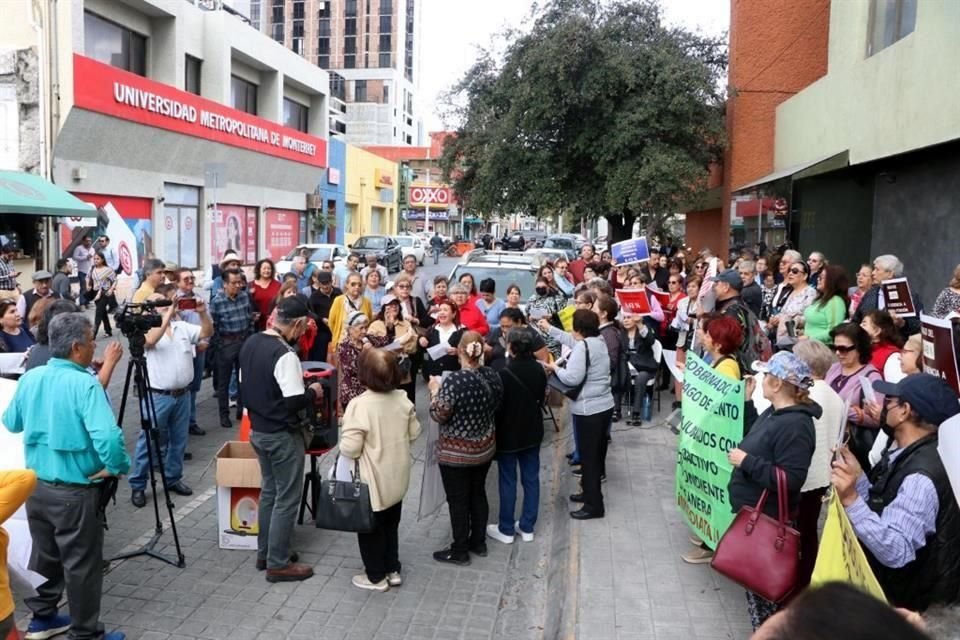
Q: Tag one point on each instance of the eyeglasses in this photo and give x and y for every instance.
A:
(673, 282)
(403, 286)
(840, 348)
(795, 272)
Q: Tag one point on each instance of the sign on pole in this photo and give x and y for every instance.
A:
(711, 424)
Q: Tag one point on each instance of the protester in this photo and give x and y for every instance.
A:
(577, 267)
(373, 265)
(102, 285)
(514, 297)
(354, 342)
(187, 302)
(343, 306)
(448, 331)
(948, 300)
(796, 295)
(726, 287)
(303, 270)
(438, 294)
(466, 279)
(14, 337)
(170, 373)
(855, 293)
(611, 331)
(470, 315)
(782, 437)
(271, 384)
(684, 324)
(885, 342)
(391, 325)
(561, 277)
(321, 303)
(264, 290)
(373, 291)
(419, 283)
(751, 293)
(496, 353)
(8, 273)
(829, 308)
(232, 323)
(344, 269)
(816, 263)
(886, 267)
(904, 511)
(15, 487)
(72, 442)
(589, 365)
(153, 276)
(852, 346)
(519, 432)
(639, 342)
(489, 304)
(655, 272)
(818, 357)
(464, 405)
(60, 284)
(378, 428)
(41, 289)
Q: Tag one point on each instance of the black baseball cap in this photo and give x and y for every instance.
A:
(293, 308)
(732, 278)
(931, 397)
(324, 277)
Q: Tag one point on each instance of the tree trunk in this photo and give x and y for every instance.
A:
(619, 226)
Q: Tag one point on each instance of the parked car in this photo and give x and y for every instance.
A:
(387, 250)
(504, 267)
(535, 238)
(412, 246)
(514, 241)
(563, 242)
(551, 255)
(318, 253)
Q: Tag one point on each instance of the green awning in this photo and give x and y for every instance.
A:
(32, 195)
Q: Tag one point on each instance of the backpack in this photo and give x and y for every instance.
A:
(756, 345)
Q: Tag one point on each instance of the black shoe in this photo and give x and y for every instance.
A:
(616, 417)
(181, 489)
(195, 430)
(262, 563)
(479, 549)
(585, 514)
(138, 498)
(225, 423)
(187, 455)
(576, 497)
(451, 556)
(577, 473)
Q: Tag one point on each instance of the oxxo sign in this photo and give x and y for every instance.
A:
(439, 196)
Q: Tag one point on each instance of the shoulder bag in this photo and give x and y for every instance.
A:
(571, 391)
(345, 506)
(760, 553)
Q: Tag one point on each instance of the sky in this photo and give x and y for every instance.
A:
(452, 30)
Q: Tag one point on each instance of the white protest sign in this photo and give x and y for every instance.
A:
(949, 448)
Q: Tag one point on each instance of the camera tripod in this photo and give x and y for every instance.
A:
(137, 370)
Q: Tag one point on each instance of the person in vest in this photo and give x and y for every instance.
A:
(904, 511)
(41, 289)
(271, 384)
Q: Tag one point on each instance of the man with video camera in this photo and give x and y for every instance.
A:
(271, 385)
(169, 353)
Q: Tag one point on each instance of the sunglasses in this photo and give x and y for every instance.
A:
(403, 286)
(795, 272)
(839, 348)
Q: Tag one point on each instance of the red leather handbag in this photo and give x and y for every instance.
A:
(759, 553)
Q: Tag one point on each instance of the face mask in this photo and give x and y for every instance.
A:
(541, 291)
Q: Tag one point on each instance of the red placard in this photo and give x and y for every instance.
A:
(633, 301)
(105, 89)
(662, 297)
(281, 232)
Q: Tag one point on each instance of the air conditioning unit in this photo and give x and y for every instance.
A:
(314, 201)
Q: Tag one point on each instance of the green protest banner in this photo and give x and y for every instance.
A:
(711, 424)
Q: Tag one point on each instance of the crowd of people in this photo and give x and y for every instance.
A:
(490, 364)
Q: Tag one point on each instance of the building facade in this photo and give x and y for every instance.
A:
(370, 195)
(371, 45)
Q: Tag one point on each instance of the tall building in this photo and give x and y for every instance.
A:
(370, 48)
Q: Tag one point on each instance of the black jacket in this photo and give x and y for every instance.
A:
(519, 418)
(783, 438)
(640, 350)
(871, 302)
(752, 296)
(447, 362)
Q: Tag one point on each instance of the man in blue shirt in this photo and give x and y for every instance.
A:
(72, 441)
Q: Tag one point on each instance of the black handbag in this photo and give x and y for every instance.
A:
(571, 391)
(345, 506)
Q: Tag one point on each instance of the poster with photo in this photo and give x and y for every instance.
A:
(229, 231)
(126, 221)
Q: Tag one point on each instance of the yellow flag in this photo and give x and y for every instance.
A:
(566, 317)
(840, 557)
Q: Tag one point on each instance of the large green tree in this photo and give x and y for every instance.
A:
(597, 110)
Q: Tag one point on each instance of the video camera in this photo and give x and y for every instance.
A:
(138, 318)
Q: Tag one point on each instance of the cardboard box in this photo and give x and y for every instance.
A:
(238, 496)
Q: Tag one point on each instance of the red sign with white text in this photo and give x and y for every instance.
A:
(114, 92)
(434, 196)
(281, 232)
(633, 301)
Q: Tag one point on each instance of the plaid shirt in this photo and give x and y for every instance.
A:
(7, 281)
(231, 317)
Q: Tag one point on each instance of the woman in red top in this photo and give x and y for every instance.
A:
(885, 337)
(264, 290)
(675, 294)
(470, 315)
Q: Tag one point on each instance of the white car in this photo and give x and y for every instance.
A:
(412, 246)
(551, 254)
(318, 253)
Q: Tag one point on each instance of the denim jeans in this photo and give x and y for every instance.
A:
(199, 361)
(281, 468)
(576, 439)
(529, 462)
(173, 423)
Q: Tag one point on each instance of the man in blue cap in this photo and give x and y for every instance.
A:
(905, 513)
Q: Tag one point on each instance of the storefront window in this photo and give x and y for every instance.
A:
(181, 207)
(114, 45)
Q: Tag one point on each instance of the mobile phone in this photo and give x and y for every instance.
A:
(187, 303)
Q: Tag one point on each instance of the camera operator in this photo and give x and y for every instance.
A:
(187, 301)
(271, 385)
(73, 443)
(169, 352)
(232, 314)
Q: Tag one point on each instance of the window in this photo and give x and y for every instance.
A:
(386, 94)
(340, 127)
(323, 29)
(350, 27)
(243, 95)
(323, 46)
(298, 12)
(295, 115)
(350, 8)
(277, 32)
(349, 45)
(360, 91)
(385, 44)
(191, 75)
(350, 62)
(386, 7)
(114, 45)
(385, 59)
(386, 24)
(323, 61)
(337, 86)
(890, 20)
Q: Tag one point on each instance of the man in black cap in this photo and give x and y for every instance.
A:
(320, 302)
(271, 385)
(905, 512)
(41, 289)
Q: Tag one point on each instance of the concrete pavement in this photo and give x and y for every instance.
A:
(617, 577)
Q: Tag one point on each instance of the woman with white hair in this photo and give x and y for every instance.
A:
(886, 267)
(348, 356)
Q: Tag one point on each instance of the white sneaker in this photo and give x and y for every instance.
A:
(363, 582)
(394, 579)
(493, 531)
(232, 403)
(526, 537)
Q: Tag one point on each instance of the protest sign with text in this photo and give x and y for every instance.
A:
(949, 448)
(897, 297)
(840, 558)
(939, 350)
(711, 424)
(630, 251)
(634, 302)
